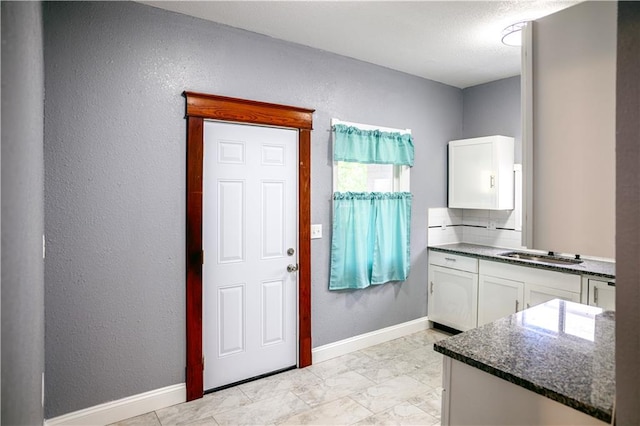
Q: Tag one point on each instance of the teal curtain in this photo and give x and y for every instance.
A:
(372, 146)
(370, 239)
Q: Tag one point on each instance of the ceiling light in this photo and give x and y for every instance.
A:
(512, 35)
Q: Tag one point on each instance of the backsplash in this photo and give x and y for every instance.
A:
(498, 228)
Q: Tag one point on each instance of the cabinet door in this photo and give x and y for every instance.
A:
(535, 294)
(602, 294)
(453, 298)
(498, 298)
(471, 175)
(481, 173)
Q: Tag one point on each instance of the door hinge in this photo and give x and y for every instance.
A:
(202, 256)
(203, 362)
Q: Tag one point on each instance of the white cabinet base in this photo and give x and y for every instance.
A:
(473, 397)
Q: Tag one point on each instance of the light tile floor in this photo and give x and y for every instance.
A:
(393, 383)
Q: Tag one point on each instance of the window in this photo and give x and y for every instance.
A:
(370, 239)
(359, 177)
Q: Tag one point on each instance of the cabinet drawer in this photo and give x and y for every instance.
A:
(454, 261)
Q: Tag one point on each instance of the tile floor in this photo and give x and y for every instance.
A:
(396, 382)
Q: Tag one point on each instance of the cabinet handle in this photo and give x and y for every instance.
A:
(528, 305)
(517, 305)
(611, 284)
(450, 259)
(492, 181)
(431, 290)
(595, 295)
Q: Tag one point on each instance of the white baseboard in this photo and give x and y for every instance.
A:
(115, 411)
(352, 344)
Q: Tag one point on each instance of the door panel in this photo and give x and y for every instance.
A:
(273, 315)
(231, 221)
(453, 298)
(498, 298)
(249, 223)
(273, 219)
(231, 329)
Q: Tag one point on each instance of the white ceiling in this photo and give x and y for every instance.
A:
(453, 42)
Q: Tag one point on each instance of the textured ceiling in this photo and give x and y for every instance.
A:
(453, 42)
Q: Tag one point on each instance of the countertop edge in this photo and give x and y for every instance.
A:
(531, 264)
(540, 390)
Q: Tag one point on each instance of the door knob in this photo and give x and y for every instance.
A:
(292, 268)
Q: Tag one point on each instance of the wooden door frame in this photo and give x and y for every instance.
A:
(203, 106)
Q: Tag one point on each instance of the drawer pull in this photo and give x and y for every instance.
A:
(431, 290)
(595, 295)
(517, 305)
(611, 283)
(450, 259)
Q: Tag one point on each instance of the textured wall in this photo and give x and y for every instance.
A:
(628, 215)
(494, 109)
(115, 171)
(22, 214)
(574, 113)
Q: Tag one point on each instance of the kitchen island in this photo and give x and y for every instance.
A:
(550, 364)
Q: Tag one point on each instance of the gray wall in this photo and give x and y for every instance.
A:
(628, 215)
(22, 214)
(574, 83)
(494, 109)
(115, 171)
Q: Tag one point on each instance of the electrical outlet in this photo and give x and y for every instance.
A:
(316, 231)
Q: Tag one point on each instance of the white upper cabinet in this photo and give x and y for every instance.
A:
(481, 173)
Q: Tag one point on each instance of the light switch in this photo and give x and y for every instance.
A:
(316, 231)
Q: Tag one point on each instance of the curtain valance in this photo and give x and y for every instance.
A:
(372, 146)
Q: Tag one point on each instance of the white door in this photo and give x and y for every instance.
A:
(498, 298)
(453, 298)
(249, 238)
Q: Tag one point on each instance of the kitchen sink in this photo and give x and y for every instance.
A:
(555, 260)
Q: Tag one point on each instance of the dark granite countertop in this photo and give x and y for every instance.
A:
(561, 350)
(587, 267)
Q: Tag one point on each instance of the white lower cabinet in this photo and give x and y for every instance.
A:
(465, 292)
(506, 288)
(602, 294)
(453, 291)
(498, 298)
